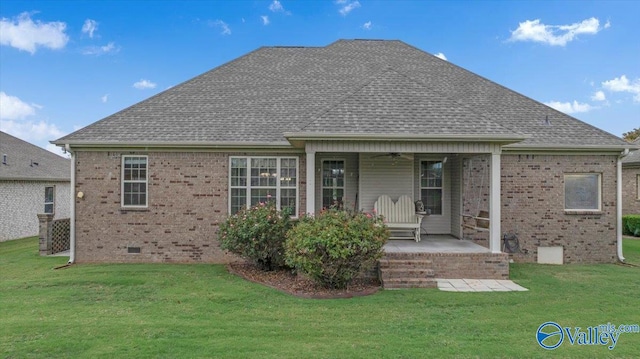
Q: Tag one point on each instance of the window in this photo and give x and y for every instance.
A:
(431, 186)
(134, 181)
(582, 192)
(332, 183)
(638, 185)
(261, 179)
(49, 200)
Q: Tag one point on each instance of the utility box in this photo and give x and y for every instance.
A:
(550, 255)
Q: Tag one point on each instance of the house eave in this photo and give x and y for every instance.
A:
(145, 145)
(517, 147)
(299, 138)
(35, 179)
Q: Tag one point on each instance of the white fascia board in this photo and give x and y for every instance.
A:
(168, 144)
(301, 136)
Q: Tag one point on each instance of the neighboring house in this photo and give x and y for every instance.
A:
(309, 126)
(631, 182)
(32, 181)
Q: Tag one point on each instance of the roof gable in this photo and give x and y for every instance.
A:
(260, 96)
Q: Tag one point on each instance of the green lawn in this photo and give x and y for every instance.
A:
(175, 311)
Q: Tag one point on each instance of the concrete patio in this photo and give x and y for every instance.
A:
(434, 244)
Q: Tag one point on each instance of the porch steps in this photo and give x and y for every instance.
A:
(406, 272)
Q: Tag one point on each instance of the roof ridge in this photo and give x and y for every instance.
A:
(469, 108)
(224, 65)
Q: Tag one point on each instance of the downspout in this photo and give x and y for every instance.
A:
(72, 219)
(619, 204)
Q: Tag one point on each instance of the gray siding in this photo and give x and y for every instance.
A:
(384, 175)
(402, 147)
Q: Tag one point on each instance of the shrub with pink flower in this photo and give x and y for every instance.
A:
(257, 234)
(336, 245)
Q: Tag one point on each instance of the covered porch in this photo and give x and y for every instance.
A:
(457, 181)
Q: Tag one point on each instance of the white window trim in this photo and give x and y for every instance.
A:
(344, 182)
(441, 188)
(53, 200)
(248, 187)
(564, 189)
(637, 186)
(122, 181)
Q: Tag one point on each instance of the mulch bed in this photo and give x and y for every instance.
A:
(287, 282)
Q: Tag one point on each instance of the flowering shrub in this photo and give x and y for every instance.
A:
(257, 234)
(335, 246)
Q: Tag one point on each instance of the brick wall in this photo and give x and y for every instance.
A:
(22, 201)
(188, 198)
(630, 201)
(533, 206)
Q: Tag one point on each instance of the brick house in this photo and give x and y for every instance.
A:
(32, 181)
(348, 122)
(631, 182)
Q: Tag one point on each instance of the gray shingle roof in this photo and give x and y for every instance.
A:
(633, 158)
(29, 162)
(350, 86)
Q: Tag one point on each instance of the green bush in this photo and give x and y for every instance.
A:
(631, 225)
(335, 246)
(257, 234)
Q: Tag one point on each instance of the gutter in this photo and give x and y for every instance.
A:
(619, 205)
(72, 219)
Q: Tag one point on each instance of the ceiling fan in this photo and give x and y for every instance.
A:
(395, 156)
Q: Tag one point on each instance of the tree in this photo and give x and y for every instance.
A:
(631, 135)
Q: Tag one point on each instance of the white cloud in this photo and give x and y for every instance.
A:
(12, 108)
(555, 35)
(144, 84)
(223, 26)
(31, 130)
(598, 96)
(367, 25)
(276, 6)
(57, 150)
(89, 27)
(622, 84)
(570, 107)
(109, 48)
(105, 98)
(350, 6)
(265, 19)
(441, 55)
(27, 35)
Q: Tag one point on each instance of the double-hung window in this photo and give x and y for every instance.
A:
(49, 200)
(332, 183)
(582, 192)
(134, 181)
(431, 186)
(254, 180)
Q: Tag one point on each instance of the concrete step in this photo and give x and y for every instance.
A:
(399, 283)
(393, 273)
(405, 263)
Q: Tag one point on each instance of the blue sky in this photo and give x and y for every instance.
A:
(67, 64)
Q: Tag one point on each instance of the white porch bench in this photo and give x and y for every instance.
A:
(399, 216)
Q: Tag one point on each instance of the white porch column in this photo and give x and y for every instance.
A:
(494, 205)
(311, 180)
